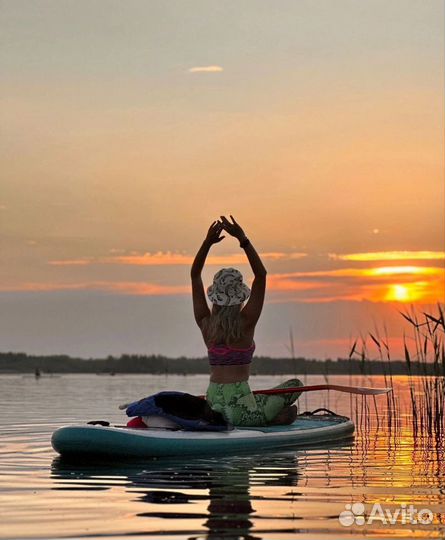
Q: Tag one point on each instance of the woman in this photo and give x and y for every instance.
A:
(228, 332)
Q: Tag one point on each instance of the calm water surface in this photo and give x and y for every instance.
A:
(297, 493)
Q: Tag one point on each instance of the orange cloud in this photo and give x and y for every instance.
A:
(364, 272)
(281, 283)
(150, 259)
(70, 262)
(398, 270)
(131, 288)
(37, 287)
(372, 284)
(206, 69)
(175, 259)
(144, 289)
(408, 283)
(390, 256)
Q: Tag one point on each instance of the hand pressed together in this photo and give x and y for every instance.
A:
(233, 228)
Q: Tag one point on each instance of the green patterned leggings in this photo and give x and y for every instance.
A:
(240, 407)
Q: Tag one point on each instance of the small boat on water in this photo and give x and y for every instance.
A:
(125, 442)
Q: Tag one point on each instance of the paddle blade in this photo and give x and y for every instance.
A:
(363, 390)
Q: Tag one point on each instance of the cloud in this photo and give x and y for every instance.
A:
(174, 259)
(390, 256)
(119, 287)
(70, 262)
(42, 287)
(384, 284)
(400, 270)
(143, 289)
(375, 283)
(206, 69)
(366, 272)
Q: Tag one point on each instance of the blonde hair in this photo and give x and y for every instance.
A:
(223, 325)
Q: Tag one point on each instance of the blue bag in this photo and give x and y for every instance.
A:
(189, 412)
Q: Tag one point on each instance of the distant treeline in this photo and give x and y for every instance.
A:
(12, 362)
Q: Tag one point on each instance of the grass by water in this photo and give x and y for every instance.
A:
(425, 410)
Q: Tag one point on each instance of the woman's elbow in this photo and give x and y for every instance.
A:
(261, 274)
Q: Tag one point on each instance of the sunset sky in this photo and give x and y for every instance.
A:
(128, 127)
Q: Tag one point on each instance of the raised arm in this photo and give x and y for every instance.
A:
(252, 310)
(200, 307)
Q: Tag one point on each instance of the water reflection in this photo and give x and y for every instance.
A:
(276, 495)
(220, 487)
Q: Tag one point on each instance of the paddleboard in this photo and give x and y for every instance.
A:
(119, 441)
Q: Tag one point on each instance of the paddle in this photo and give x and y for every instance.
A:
(363, 390)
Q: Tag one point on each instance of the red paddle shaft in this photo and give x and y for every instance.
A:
(365, 391)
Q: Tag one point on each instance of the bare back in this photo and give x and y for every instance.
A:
(231, 374)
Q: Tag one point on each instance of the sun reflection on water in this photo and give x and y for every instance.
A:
(298, 493)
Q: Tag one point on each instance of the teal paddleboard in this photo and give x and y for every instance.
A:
(118, 441)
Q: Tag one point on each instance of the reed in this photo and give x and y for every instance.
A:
(427, 393)
(425, 410)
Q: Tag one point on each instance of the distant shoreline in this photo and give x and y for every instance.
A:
(12, 362)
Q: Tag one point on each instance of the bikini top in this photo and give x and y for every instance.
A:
(224, 355)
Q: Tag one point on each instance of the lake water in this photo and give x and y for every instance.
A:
(297, 493)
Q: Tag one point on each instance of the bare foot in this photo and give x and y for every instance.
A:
(285, 417)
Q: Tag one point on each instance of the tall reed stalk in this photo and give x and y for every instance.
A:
(425, 363)
(427, 393)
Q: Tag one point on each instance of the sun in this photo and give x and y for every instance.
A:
(405, 293)
(400, 293)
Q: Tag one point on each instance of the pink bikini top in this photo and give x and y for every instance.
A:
(223, 355)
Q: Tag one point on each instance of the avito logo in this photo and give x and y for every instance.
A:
(354, 514)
